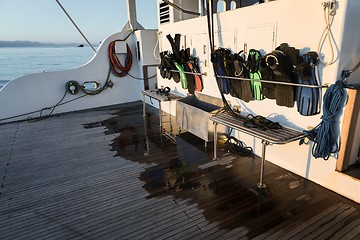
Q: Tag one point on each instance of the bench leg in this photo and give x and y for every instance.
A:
(160, 115)
(215, 140)
(144, 106)
(261, 182)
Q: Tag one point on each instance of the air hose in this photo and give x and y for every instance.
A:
(325, 135)
(210, 25)
(234, 145)
(115, 65)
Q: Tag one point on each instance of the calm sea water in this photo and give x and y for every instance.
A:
(15, 62)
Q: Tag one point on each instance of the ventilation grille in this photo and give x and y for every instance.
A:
(164, 13)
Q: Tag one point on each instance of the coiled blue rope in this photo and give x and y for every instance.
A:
(325, 135)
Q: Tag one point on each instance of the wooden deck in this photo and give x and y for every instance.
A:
(108, 174)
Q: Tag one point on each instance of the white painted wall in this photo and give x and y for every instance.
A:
(299, 23)
(37, 91)
(349, 57)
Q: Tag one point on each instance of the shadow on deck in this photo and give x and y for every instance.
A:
(110, 174)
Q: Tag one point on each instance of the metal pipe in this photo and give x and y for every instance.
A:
(76, 26)
(261, 182)
(215, 140)
(131, 11)
(275, 82)
(144, 106)
(205, 74)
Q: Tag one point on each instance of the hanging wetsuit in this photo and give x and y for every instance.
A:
(175, 45)
(166, 65)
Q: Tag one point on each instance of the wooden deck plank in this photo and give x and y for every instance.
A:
(351, 224)
(107, 222)
(84, 188)
(80, 175)
(243, 212)
(314, 207)
(43, 197)
(308, 225)
(182, 233)
(67, 216)
(353, 234)
(69, 213)
(336, 224)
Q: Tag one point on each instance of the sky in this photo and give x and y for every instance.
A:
(44, 21)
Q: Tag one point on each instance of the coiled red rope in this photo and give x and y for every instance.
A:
(115, 65)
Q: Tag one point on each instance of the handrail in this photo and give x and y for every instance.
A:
(275, 82)
(346, 73)
(181, 9)
(205, 73)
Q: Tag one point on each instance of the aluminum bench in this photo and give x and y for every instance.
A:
(269, 136)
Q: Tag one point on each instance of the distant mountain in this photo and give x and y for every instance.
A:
(33, 44)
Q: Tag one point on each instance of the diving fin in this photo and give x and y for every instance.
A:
(242, 87)
(268, 89)
(256, 86)
(308, 99)
(281, 62)
(229, 63)
(170, 60)
(166, 65)
(183, 80)
(255, 73)
(194, 66)
(185, 56)
(223, 82)
(217, 58)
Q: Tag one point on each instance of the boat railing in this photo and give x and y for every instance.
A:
(276, 82)
(326, 85)
(193, 73)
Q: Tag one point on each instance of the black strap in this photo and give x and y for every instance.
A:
(175, 48)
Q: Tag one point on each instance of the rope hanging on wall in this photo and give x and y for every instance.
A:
(115, 65)
(326, 134)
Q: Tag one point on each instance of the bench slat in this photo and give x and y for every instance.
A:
(274, 136)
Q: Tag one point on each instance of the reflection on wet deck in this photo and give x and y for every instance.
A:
(109, 174)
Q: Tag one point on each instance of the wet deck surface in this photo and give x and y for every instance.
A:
(108, 174)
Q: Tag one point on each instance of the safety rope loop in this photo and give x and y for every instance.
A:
(115, 65)
(329, 15)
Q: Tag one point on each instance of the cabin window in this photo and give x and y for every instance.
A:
(221, 6)
(232, 5)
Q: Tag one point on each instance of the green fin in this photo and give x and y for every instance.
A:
(256, 85)
(255, 73)
(183, 79)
